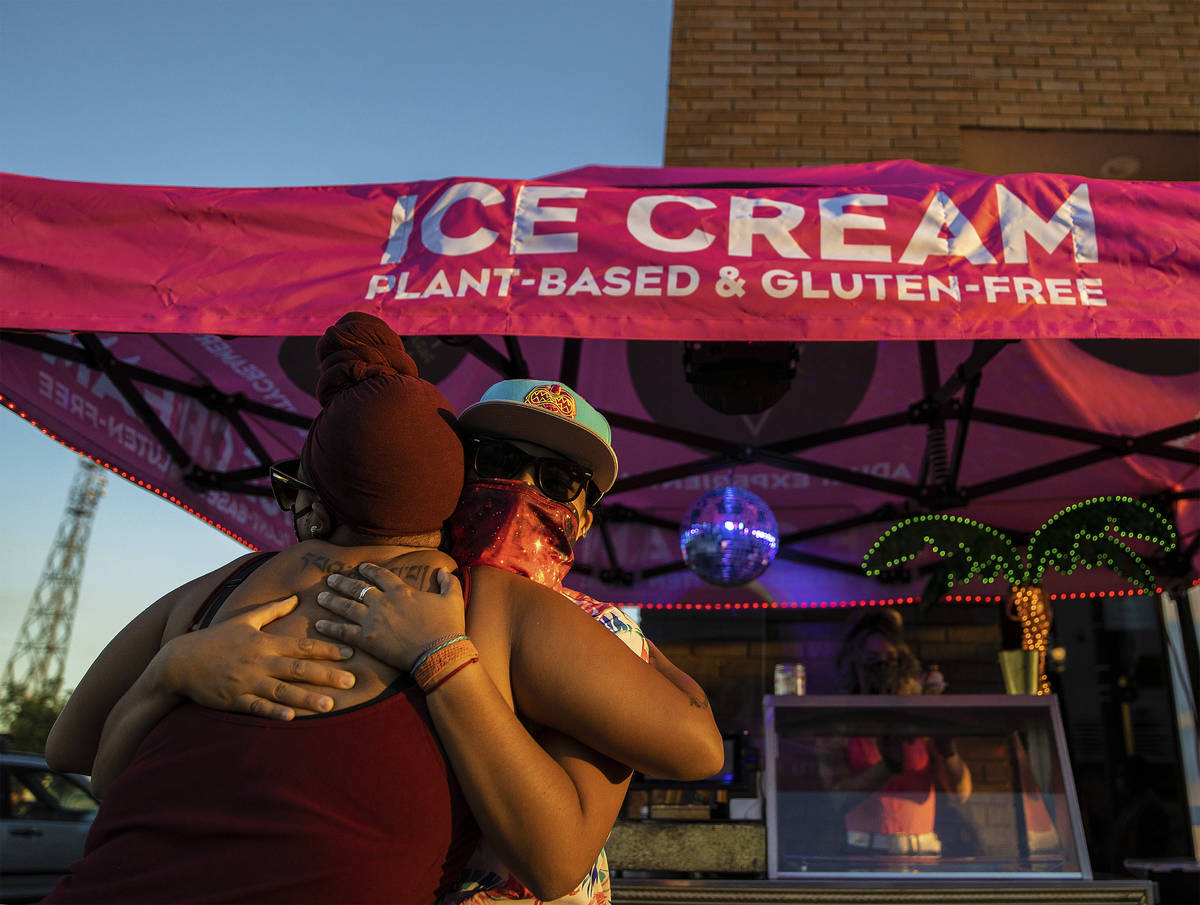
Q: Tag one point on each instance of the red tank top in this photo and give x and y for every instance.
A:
(905, 803)
(353, 806)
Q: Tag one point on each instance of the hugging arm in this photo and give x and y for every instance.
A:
(675, 675)
(546, 806)
(232, 666)
(74, 738)
(152, 665)
(570, 673)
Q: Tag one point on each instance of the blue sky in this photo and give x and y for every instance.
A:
(264, 92)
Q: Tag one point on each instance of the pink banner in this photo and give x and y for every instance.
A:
(878, 251)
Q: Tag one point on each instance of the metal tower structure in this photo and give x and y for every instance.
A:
(35, 669)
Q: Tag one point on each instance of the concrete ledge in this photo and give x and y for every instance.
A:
(688, 846)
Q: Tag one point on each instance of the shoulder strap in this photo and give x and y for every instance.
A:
(212, 603)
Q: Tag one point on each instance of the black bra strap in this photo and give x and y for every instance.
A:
(208, 609)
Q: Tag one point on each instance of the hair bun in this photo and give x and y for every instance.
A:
(382, 452)
(358, 347)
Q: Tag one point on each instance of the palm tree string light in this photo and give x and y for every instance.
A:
(1087, 534)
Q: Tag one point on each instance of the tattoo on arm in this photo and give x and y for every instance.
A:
(700, 702)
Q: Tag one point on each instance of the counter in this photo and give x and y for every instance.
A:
(865, 892)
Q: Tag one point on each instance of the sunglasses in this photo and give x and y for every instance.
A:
(558, 479)
(285, 486)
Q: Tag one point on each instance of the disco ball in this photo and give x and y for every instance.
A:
(729, 536)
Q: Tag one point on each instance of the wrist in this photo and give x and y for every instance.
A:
(446, 674)
(432, 647)
(445, 660)
(166, 674)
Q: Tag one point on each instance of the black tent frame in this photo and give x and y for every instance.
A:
(935, 489)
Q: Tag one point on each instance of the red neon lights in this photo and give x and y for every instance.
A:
(882, 601)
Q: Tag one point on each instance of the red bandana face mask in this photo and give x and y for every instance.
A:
(509, 525)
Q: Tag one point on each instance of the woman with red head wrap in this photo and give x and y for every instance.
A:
(355, 802)
(382, 452)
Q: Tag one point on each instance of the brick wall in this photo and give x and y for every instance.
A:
(802, 82)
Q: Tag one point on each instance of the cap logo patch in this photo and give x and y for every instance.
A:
(553, 398)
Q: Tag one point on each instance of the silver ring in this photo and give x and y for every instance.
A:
(363, 592)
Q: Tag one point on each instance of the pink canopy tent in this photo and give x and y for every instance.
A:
(998, 347)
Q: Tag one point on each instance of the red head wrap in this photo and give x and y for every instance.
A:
(382, 452)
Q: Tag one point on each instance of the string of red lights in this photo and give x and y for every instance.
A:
(133, 479)
(750, 605)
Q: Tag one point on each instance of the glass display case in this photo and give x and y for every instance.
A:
(966, 786)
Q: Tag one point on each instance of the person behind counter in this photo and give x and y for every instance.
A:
(886, 785)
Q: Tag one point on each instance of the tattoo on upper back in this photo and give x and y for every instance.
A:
(419, 576)
(324, 563)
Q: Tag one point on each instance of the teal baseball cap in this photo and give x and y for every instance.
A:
(550, 414)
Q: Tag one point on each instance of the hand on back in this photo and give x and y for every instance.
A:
(235, 666)
(389, 618)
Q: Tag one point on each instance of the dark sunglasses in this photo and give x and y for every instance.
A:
(285, 486)
(558, 479)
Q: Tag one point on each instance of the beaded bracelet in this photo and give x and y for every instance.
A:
(438, 664)
(433, 647)
(430, 677)
(438, 681)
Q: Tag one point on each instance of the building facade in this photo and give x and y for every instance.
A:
(1099, 87)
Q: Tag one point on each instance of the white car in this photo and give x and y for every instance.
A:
(44, 818)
